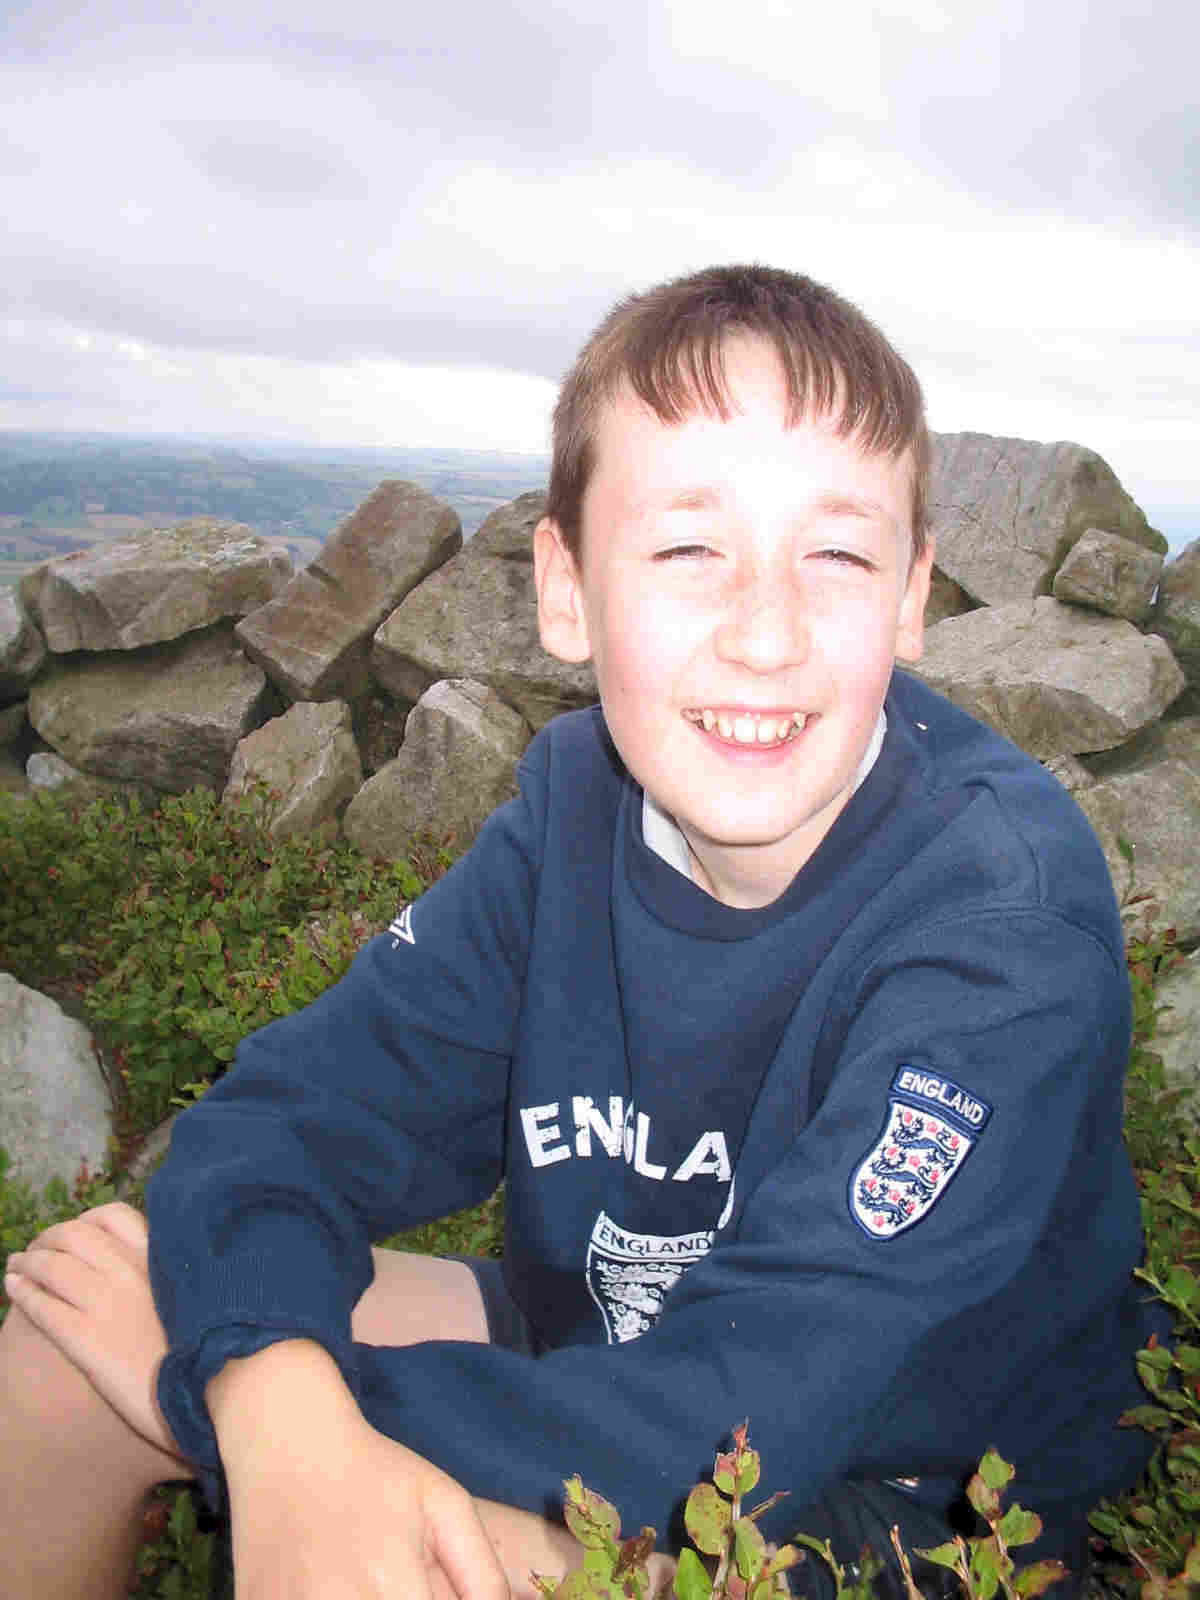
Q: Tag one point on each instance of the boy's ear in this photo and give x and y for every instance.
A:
(910, 626)
(561, 621)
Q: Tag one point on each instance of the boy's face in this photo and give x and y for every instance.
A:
(744, 590)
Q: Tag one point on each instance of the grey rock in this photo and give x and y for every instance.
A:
(1174, 739)
(169, 716)
(1176, 613)
(379, 728)
(314, 639)
(477, 618)
(1070, 772)
(308, 757)
(946, 599)
(457, 764)
(1054, 679)
(154, 586)
(1177, 1032)
(1006, 511)
(54, 1103)
(45, 769)
(12, 724)
(150, 1153)
(1110, 574)
(1156, 811)
(22, 649)
(12, 774)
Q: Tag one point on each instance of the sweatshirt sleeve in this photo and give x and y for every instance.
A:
(807, 1323)
(378, 1107)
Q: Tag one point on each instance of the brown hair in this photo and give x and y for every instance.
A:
(667, 345)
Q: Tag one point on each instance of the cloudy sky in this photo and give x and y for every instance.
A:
(381, 223)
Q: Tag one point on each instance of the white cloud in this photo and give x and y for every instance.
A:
(368, 227)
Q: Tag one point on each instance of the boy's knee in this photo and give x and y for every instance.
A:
(36, 1379)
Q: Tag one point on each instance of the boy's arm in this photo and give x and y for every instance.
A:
(293, 1439)
(379, 1106)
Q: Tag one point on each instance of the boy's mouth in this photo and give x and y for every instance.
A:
(749, 727)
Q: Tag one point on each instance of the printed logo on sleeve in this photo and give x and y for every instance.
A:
(931, 1127)
(401, 928)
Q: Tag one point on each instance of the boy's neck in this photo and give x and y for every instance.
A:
(758, 883)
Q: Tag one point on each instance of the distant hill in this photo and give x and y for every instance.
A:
(60, 491)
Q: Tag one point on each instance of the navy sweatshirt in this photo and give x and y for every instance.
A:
(849, 1165)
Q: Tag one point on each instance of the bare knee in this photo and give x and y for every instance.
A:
(62, 1421)
(38, 1383)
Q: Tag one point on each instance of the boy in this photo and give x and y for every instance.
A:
(789, 1001)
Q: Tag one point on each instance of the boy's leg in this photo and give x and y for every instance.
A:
(73, 1475)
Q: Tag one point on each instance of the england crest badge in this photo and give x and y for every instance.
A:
(931, 1127)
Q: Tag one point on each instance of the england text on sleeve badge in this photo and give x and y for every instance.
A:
(931, 1127)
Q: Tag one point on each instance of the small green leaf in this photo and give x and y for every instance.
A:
(749, 1548)
(1187, 1359)
(1182, 1287)
(182, 1521)
(707, 1518)
(1156, 1356)
(723, 1472)
(784, 1558)
(1036, 1579)
(583, 1585)
(1104, 1522)
(984, 1499)
(692, 1582)
(590, 1517)
(995, 1471)
(942, 1555)
(1018, 1526)
(748, 1473)
(985, 1568)
(1151, 1418)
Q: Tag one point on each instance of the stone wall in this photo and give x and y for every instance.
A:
(394, 682)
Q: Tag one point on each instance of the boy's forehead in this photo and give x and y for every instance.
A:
(631, 443)
(628, 430)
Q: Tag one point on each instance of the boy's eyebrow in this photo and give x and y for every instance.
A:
(853, 505)
(835, 503)
(701, 498)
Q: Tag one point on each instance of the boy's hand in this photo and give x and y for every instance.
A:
(324, 1505)
(84, 1283)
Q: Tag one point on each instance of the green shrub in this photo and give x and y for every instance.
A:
(182, 928)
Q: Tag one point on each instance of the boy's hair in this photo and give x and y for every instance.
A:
(667, 345)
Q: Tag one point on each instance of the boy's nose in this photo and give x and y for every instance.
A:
(764, 628)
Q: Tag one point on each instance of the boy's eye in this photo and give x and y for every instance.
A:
(845, 558)
(684, 552)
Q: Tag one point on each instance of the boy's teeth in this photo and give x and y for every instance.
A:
(746, 727)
